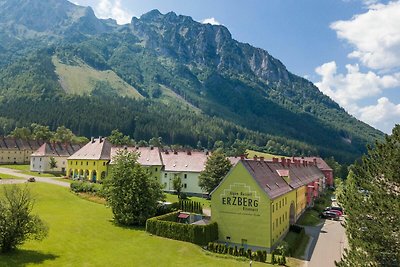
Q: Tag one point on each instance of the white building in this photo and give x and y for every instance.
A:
(185, 164)
(40, 159)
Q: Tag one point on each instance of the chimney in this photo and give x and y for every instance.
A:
(315, 161)
(100, 139)
(175, 152)
(92, 139)
(262, 158)
(125, 147)
(166, 152)
(255, 157)
(189, 152)
(242, 157)
(283, 161)
(275, 160)
(151, 148)
(207, 153)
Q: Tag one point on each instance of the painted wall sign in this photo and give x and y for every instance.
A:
(238, 198)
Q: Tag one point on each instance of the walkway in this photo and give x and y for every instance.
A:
(327, 243)
(38, 179)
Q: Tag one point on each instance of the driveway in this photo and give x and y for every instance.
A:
(326, 245)
(38, 179)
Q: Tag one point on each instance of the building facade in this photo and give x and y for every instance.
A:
(258, 200)
(91, 161)
(41, 158)
(17, 151)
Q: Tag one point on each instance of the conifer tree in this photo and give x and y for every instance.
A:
(371, 199)
(217, 166)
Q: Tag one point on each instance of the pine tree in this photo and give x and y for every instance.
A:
(371, 199)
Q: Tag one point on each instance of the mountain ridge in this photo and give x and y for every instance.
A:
(203, 65)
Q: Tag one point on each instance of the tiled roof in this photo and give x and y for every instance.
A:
(56, 150)
(96, 149)
(322, 165)
(20, 144)
(148, 156)
(266, 174)
(184, 161)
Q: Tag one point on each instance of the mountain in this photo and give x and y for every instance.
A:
(163, 70)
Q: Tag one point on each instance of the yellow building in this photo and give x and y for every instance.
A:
(258, 200)
(91, 161)
(17, 151)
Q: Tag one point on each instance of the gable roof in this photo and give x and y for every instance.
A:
(96, 149)
(269, 175)
(19, 144)
(321, 164)
(184, 161)
(56, 150)
(148, 156)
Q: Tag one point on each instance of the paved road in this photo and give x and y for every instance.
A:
(38, 179)
(327, 244)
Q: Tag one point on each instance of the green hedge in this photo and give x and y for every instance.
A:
(166, 226)
(259, 255)
(191, 206)
(86, 187)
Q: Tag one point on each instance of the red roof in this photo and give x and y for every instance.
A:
(184, 161)
(267, 175)
(148, 156)
(183, 215)
(321, 164)
(94, 150)
(56, 150)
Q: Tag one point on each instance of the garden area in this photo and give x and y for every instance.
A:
(89, 234)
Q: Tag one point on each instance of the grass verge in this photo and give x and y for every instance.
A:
(310, 218)
(9, 176)
(25, 169)
(82, 233)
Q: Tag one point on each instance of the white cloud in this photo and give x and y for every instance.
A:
(354, 85)
(211, 21)
(347, 89)
(112, 9)
(375, 35)
(384, 115)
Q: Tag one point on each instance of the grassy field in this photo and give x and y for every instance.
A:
(252, 153)
(81, 79)
(82, 234)
(291, 237)
(309, 217)
(25, 169)
(8, 176)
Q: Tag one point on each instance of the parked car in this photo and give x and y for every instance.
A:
(329, 215)
(339, 212)
(337, 208)
(31, 179)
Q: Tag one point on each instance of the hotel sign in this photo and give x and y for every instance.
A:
(238, 198)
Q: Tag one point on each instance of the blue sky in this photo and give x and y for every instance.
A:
(349, 48)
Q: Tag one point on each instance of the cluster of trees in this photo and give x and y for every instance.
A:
(40, 132)
(371, 199)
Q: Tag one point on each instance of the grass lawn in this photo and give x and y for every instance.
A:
(25, 169)
(82, 234)
(267, 156)
(174, 198)
(309, 217)
(291, 237)
(8, 176)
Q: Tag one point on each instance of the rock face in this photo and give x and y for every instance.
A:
(170, 56)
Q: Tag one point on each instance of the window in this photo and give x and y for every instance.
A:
(165, 175)
(104, 164)
(87, 163)
(156, 169)
(81, 162)
(76, 163)
(94, 163)
(228, 238)
(40, 159)
(33, 159)
(185, 175)
(276, 206)
(184, 185)
(273, 210)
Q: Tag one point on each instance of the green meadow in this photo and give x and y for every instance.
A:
(82, 233)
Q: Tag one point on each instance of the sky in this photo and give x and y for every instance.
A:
(350, 49)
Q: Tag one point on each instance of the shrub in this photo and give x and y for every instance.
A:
(166, 226)
(87, 187)
(259, 255)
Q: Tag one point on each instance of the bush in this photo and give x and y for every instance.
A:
(191, 206)
(87, 187)
(259, 255)
(167, 226)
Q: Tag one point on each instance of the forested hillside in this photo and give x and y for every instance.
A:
(197, 84)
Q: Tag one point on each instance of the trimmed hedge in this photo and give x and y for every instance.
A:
(86, 187)
(259, 255)
(191, 206)
(166, 226)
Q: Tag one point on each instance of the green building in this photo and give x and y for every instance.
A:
(257, 201)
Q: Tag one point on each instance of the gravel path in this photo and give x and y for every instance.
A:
(26, 176)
